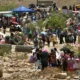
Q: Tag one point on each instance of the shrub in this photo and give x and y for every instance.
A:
(4, 49)
(57, 20)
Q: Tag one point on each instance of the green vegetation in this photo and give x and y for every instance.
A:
(5, 49)
(7, 7)
(72, 48)
(57, 20)
(39, 24)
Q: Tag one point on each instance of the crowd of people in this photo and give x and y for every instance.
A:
(17, 23)
(42, 57)
(54, 58)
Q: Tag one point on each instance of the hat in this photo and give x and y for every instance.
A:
(54, 35)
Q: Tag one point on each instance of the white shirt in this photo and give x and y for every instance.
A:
(58, 55)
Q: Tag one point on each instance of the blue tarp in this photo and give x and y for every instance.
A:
(23, 9)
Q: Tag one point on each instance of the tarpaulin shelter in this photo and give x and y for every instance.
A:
(23, 9)
(8, 15)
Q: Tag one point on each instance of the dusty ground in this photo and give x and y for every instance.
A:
(16, 67)
(27, 2)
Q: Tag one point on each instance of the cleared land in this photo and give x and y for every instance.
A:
(27, 2)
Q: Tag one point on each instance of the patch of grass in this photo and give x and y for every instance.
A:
(5, 49)
(75, 49)
(21, 56)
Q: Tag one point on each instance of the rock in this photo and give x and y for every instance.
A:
(28, 64)
(48, 76)
(5, 59)
(6, 75)
(11, 65)
(76, 77)
(68, 77)
(10, 70)
(37, 72)
(41, 76)
(53, 75)
(16, 70)
(61, 75)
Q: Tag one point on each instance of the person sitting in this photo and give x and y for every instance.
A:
(52, 59)
(2, 40)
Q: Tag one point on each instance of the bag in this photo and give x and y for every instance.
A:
(71, 38)
(71, 65)
(33, 58)
(30, 32)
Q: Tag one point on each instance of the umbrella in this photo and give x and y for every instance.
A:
(45, 33)
(15, 23)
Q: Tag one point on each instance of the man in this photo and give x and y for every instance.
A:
(44, 58)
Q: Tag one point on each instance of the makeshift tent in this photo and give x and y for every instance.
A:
(5, 12)
(8, 15)
(22, 9)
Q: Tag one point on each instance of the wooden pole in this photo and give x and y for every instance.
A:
(37, 2)
(79, 43)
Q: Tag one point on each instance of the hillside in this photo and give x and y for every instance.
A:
(10, 4)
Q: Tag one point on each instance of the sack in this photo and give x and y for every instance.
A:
(71, 65)
(33, 59)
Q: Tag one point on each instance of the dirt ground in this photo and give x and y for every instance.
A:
(16, 67)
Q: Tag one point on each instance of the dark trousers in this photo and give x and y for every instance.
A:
(59, 63)
(64, 65)
(48, 43)
(75, 38)
(44, 64)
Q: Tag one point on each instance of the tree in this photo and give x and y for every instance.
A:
(57, 20)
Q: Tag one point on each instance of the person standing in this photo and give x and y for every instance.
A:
(36, 43)
(53, 39)
(61, 37)
(52, 59)
(48, 40)
(44, 56)
(4, 25)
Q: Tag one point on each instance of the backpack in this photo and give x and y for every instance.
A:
(33, 58)
(30, 32)
(71, 38)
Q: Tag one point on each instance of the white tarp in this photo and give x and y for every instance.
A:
(5, 12)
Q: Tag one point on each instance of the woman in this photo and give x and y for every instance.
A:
(52, 59)
(54, 39)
